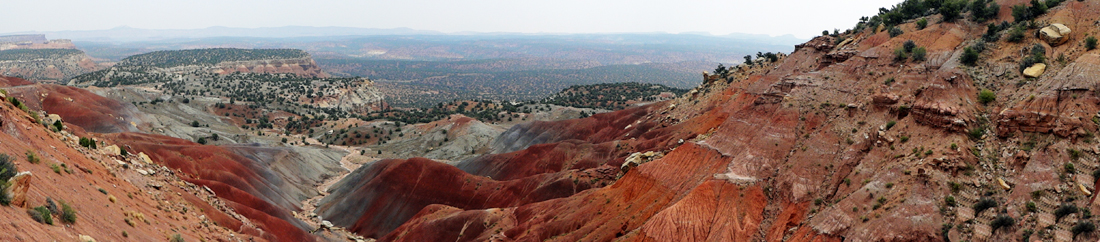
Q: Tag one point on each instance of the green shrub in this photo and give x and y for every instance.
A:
(1031, 207)
(1038, 55)
(895, 31)
(1017, 34)
(908, 46)
(919, 54)
(969, 56)
(900, 55)
(32, 157)
(952, 9)
(55, 168)
(68, 215)
(7, 167)
(58, 126)
(950, 201)
(122, 151)
(922, 23)
(986, 96)
(891, 124)
(41, 214)
(983, 10)
(176, 238)
(1090, 43)
(976, 133)
(7, 171)
(1074, 154)
(201, 141)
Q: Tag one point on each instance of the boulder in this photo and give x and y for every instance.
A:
(17, 188)
(145, 158)
(50, 119)
(85, 238)
(1003, 184)
(1055, 34)
(637, 158)
(112, 150)
(1035, 70)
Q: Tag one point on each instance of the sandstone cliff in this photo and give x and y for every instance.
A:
(46, 68)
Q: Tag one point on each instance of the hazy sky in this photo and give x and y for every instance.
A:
(803, 18)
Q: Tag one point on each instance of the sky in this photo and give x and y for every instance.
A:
(802, 18)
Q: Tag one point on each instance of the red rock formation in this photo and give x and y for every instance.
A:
(77, 106)
(102, 196)
(246, 185)
(382, 197)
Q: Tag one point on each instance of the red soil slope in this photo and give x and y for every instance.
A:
(374, 201)
(247, 186)
(89, 188)
(91, 112)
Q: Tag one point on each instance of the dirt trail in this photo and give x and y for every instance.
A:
(350, 162)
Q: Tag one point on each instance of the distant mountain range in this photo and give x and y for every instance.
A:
(128, 34)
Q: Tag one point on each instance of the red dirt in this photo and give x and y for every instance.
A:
(96, 216)
(232, 177)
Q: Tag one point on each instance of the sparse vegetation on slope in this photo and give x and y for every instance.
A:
(612, 96)
(32, 54)
(172, 58)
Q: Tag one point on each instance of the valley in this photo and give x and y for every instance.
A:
(956, 120)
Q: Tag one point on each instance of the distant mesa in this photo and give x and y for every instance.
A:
(212, 61)
(35, 58)
(33, 41)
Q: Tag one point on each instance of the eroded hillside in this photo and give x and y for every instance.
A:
(919, 125)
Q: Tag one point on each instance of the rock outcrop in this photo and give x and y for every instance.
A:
(17, 188)
(1055, 34)
(1035, 70)
(361, 97)
(299, 66)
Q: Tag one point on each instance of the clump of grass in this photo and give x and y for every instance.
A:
(41, 214)
(986, 96)
(976, 133)
(1074, 154)
(1002, 221)
(176, 238)
(68, 214)
(955, 187)
(1064, 210)
(891, 124)
(32, 157)
(983, 204)
(1083, 227)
